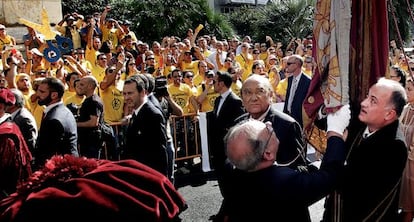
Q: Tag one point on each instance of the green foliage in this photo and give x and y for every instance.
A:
(282, 20)
(83, 7)
(154, 19)
(404, 20)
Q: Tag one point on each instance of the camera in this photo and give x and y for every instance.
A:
(161, 86)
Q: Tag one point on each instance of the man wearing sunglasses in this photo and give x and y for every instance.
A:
(297, 88)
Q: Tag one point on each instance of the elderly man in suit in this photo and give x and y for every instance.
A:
(58, 133)
(298, 84)
(227, 107)
(146, 137)
(257, 94)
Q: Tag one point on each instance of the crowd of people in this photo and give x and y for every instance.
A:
(110, 77)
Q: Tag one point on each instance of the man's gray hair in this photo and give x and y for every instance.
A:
(398, 97)
(19, 97)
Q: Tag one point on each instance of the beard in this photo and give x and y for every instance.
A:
(45, 101)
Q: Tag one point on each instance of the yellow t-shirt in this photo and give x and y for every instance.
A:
(37, 111)
(99, 73)
(208, 103)
(90, 55)
(236, 87)
(75, 100)
(7, 40)
(192, 66)
(181, 95)
(111, 35)
(66, 95)
(246, 63)
(168, 69)
(198, 79)
(113, 101)
(282, 88)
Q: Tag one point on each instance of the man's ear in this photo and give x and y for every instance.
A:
(390, 115)
(54, 95)
(268, 155)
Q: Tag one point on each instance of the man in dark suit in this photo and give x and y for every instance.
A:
(257, 94)
(24, 119)
(58, 133)
(298, 84)
(252, 149)
(376, 159)
(227, 107)
(150, 83)
(146, 138)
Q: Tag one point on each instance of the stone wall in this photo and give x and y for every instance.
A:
(12, 10)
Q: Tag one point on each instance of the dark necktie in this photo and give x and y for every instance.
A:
(216, 105)
(131, 121)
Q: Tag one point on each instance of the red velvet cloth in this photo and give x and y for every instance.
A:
(15, 158)
(112, 191)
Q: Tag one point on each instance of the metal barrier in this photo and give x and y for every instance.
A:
(186, 136)
(185, 132)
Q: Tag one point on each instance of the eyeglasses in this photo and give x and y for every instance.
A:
(131, 64)
(270, 131)
(260, 93)
(290, 63)
(260, 145)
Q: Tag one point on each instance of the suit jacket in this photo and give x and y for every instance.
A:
(374, 167)
(231, 109)
(289, 191)
(57, 135)
(299, 97)
(290, 135)
(146, 138)
(27, 125)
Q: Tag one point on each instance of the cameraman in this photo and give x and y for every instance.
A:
(169, 107)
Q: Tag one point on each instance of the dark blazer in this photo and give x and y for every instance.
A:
(374, 167)
(27, 125)
(57, 135)
(299, 97)
(290, 135)
(289, 191)
(231, 109)
(146, 138)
